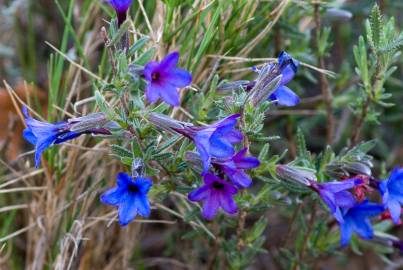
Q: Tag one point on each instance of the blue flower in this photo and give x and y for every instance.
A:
(165, 78)
(234, 168)
(283, 95)
(215, 193)
(356, 219)
(336, 196)
(392, 193)
(121, 7)
(129, 196)
(43, 134)
(214, 141)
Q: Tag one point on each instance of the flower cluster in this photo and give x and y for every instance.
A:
(351, 210)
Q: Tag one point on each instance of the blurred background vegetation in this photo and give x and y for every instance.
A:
(52, 218)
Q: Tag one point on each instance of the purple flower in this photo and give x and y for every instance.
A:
(121, 7)
(129, 196)
(336, 196)
(214, 141)
(44, 135)
(165, 78)
(234, 168)
(392, 193)
(215, 193)
(356, 219)
(283, 95)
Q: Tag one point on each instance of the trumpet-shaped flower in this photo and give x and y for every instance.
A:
(283, 95)
(392, 193)
(215, 193)
(43, 134)
(129, 196)
(164, 78)
(235, 167)
(356, 219)
(214, 141)
(336, 196)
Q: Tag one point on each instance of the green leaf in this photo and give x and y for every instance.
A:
(138, 45)
(376, 23)
(120, 151)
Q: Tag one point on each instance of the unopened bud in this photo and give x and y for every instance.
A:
(166, 123)
(137, 168)
(88, 122)
(293, 174)
(339, 169)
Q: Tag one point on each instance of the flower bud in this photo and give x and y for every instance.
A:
(339, 169)
(166, 123)
(137, 168)
(299, 176)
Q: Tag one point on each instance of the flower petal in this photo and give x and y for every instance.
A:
(363, 228)
(288, 74)
(143, 205)
(112, 196)
(170, 61)
(170, 95)
(210, 206)
(346, 231)
(178, 77)
(199, 194)
(127, 209)
(29, 136)
(227, 203)
(394, 209)
(344, 199)
(247, 163)
(284, 96)
(42, 145)
(123, 180)
(220, 148)
(144, 184)
(337, 186)
(239, 178)
(153, 91)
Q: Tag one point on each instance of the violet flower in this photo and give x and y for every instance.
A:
(129, 196)
(121, 7)
(43, 134)
(235, 166)
(392, 193)
(215, 193)
(283, 95)
(356, 219)
(214, 141)
(164, 78)
(335, 195)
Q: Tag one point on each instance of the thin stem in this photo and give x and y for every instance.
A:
(323, 82)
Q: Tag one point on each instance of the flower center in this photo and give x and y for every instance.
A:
(133, 188)
(218, 185)
(155, 76)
